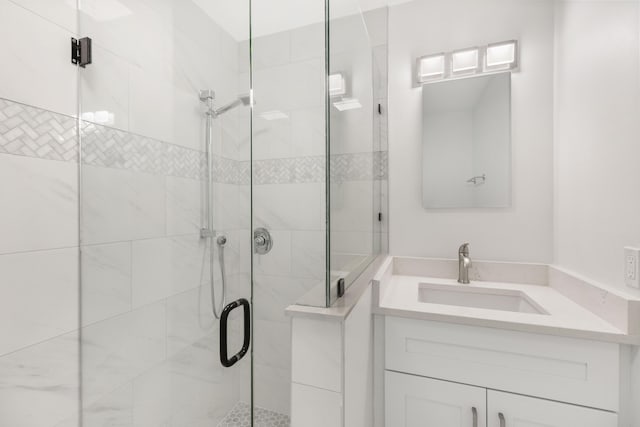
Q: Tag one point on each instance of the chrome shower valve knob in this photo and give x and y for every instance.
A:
(262, 241)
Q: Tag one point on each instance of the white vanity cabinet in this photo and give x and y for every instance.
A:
(523, 411)
(448, 375)
(413, 401)
(418, 401)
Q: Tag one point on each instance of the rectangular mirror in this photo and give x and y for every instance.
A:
(466, 143)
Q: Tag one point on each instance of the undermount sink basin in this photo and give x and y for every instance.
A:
(486, 298)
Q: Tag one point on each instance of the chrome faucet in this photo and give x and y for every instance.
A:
(464, 262)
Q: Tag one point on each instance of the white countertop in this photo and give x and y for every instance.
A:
(399, 297)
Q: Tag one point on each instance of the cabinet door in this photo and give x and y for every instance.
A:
(522, 411)
(412, 401)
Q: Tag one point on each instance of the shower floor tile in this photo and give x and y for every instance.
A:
(240, 416)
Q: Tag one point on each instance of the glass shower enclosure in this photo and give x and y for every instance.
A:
(222, 179)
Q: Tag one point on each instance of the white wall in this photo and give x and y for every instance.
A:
(597, 126)
(524, 231)
(597, 150)
(594, 114)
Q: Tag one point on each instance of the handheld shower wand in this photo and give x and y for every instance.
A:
(207, 232)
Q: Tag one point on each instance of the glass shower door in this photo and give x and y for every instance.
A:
(288, 186)
(165, 213)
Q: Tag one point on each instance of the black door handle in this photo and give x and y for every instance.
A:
(226, 362)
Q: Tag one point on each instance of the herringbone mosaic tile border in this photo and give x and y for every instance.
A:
(34, 132)
(113, 148)
(344, 167)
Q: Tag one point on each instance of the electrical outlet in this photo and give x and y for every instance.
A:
(631, 266)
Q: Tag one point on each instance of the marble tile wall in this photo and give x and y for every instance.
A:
(139, 328)
(39, 351)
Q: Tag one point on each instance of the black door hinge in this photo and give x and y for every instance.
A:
(341, 287)
(380, 109)
(380, 216)
(81, 51)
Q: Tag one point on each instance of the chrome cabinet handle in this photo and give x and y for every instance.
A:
(503, 422)
(474, 411)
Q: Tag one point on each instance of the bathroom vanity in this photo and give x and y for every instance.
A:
(521, 345)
